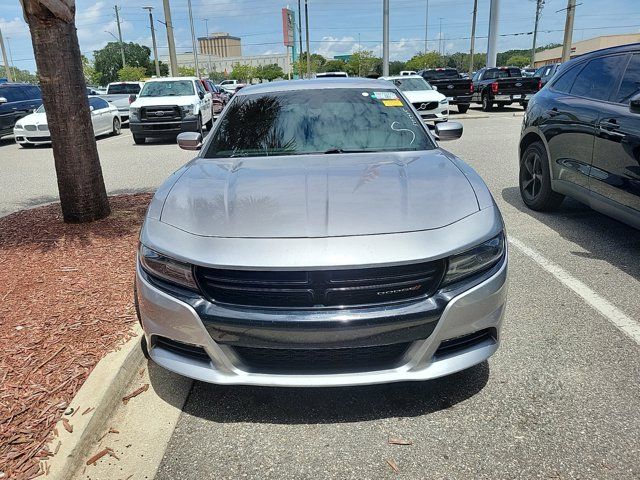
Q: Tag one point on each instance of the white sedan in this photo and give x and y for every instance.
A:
(34, 130)
(430, 104)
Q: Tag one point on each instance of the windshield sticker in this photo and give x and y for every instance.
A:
(392, 103)
(385, 95)
(365, 94)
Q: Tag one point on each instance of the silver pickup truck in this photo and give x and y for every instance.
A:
(118, 94)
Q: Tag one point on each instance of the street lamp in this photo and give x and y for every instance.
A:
(153, 40)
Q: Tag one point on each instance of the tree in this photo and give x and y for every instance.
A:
(361, 63)
(83, 196)
(186, 71)
(317, 62)
(108, 60)
(23, 75)
(518, 61)
(269, 72)
(335, 65)
(243, 73)
(164, 69)
(396, 67)
(131, 74)
(425, 60)
(90, 74)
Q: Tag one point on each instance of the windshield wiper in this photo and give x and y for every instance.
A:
(342, 150)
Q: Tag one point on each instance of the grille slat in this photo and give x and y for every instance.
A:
(421, 106)
(325, 288)
(329, 359)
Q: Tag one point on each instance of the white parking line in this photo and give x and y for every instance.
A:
(622, 322)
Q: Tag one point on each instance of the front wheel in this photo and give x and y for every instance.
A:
(139, 140)
(209, 124)
(463, 108)
(486, 104)
(117, 127)
(535, 179)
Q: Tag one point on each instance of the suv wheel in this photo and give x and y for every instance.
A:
(117, 127)
(199, 125)
(209, 124)
(486, 104)
(535, 179)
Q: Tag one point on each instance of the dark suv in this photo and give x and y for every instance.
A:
(581, 136)
(17, 100)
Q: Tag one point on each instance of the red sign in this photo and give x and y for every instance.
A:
(288, 26)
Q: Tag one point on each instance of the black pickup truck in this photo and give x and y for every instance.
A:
(449, 83)
(503, 86)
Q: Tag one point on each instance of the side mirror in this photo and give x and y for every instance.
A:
(201, 95)
(3, 100)
(448, 130)
(90, 108)
(434, 87)
(132, 98)
(190, 141)
(634, 104)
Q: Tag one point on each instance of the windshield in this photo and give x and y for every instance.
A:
(128, 88)
(411, 84)
(441, 74)
(40, 109)
(318, 121)
(173, 88)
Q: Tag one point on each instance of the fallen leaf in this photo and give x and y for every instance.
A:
(135, 393)
(399, 441)
(97, 456)
(67, 426)
(393, 465)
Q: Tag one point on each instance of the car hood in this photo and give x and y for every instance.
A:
(319, 195)
(172, 100)
(424, 96)
(34, 119)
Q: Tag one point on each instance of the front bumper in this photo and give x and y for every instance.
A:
(150, 129)
(479, 308)
(28, 137)
(438, 114)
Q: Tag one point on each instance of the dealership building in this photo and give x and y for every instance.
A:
(554, 55)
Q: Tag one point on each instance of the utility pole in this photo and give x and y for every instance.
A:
(193, 40)
(173, 61)
(492, 42)
(426, 28)
(568, 31)
(306, 19)
(206, 27)
(11, 64)
(539, 5)
(153, 40)
(300, 38)
(124, 63)
(473, 37)
(385, 38)
(7, 70)
(440, 38)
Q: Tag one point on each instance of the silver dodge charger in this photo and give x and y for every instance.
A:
(321, 237)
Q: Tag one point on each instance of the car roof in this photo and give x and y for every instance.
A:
(630, 47)
(169, 79)
(15, 85)
(401, 77)
(315, 84)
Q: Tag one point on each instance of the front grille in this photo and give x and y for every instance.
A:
(39, 139)
(31, 128)
(420, 106)
(323, 288)
(43, 128)
(455, 345)
(180, 348)
(160, 113)
(332, 359)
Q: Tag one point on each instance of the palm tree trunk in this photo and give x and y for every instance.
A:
(83, 196)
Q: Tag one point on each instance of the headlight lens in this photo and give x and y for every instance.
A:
(443, 101)
(18, 126)
(166, 268)
(473, 261)
(134, 112)
(187, 110)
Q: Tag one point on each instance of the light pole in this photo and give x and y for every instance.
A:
(153, 40)
(4, 58)
(492, 42)
(385, 38)
(206, 45)
(426, 28)
(193, 40)
(473, 37)
(306, 18)
(568, 31)
(173, 60)
(124, 62)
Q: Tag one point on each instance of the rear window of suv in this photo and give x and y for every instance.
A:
(440, 74)
(123, 88)
(598, 78)
(335, 120)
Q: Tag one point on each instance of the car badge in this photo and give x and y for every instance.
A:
(518, 84)
(160, 114)
(450, 87)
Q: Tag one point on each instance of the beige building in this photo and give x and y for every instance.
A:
(554, 55)
(220, 45)
(211, 63)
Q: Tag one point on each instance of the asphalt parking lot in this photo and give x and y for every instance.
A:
(560, 399)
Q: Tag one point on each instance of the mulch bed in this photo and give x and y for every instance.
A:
(66, 300)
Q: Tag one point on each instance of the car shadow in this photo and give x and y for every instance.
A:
(6, 141)
(602, 237)
(231, 404)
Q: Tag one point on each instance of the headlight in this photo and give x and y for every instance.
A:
(444, 101)
(18, 126)
(187, 111)
(473, 261)
(134, 112)
(166, 268)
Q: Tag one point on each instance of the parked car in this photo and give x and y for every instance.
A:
(34, 128)
(546, 72)
(330, 242)
(121, 94)
(407, 72)
(430, 104)
(17, 100)
(581, 136)
(229, 85)
(332, 75)
(503, 86)
(451, 84)
(528, 72)
(219, 98)
(168, 106)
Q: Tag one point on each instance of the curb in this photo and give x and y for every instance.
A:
(102, 391)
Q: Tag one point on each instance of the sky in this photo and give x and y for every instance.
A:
(336, 26)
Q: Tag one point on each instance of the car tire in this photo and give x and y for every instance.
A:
(524, 104)
(117, 127)
(487, 106)
(139, 140)
(145, 347)
(209, 124)
(535, 179)
(199, 125)
(463, 108)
